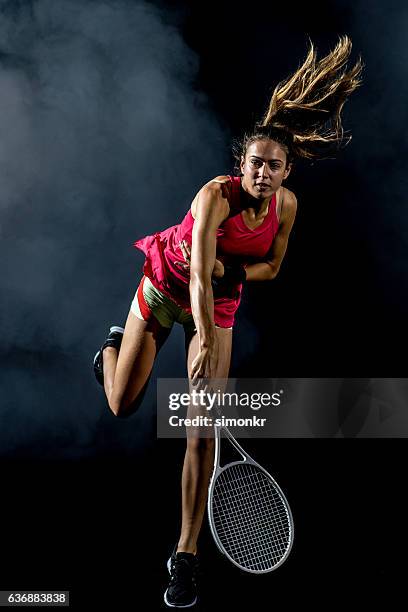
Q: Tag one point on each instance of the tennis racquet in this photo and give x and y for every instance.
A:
(249, 517)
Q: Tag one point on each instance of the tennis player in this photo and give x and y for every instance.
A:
(236, 230)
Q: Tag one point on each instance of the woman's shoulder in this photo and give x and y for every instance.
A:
(222, 178)
(218, 183)
(289, 198)
(220, 186)
(287, 206)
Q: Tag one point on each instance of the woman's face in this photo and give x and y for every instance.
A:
(264, 168)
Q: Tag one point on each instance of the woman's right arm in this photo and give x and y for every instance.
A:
(211, 210)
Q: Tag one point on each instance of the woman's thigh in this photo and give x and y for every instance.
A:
(224, 337)
(141, 342)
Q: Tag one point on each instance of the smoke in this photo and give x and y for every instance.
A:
(104, 137)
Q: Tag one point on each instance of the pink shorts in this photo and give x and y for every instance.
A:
(151, 302)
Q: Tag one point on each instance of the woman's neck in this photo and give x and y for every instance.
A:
(248, 202)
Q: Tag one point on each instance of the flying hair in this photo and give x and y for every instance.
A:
(304, 113)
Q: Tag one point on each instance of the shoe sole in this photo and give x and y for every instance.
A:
(116, 328)
(97, 369)
(99, 376)
(190, 605)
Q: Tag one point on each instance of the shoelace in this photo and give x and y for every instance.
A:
(183, 571)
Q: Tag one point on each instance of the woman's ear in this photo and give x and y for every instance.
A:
(287, 171)
(242, 164)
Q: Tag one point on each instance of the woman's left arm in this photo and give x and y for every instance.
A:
(269, 269)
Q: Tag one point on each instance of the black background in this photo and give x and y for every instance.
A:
(103, 527)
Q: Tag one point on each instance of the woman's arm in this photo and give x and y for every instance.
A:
(210, 211)
(268, 270)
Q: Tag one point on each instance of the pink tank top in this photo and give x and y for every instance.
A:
(236, 243)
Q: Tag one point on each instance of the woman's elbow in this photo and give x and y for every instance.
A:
(273, 271)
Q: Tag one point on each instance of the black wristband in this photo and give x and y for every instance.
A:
(233, 275)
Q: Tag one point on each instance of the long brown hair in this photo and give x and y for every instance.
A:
(304, 113)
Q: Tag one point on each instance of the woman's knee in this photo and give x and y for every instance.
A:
(117, 408)
(122, 407)
(124, 404)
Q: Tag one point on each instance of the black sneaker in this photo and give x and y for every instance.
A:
(182, 589)
(114, 339)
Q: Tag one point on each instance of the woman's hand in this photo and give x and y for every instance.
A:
(218, 270)
(205, 363)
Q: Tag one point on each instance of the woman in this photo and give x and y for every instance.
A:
(236, 230)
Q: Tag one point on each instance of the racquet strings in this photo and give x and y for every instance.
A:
(250, 517)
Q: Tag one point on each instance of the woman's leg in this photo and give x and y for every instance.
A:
(199, 457)
(126, 374)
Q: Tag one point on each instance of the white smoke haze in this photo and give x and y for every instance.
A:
(99, 125)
